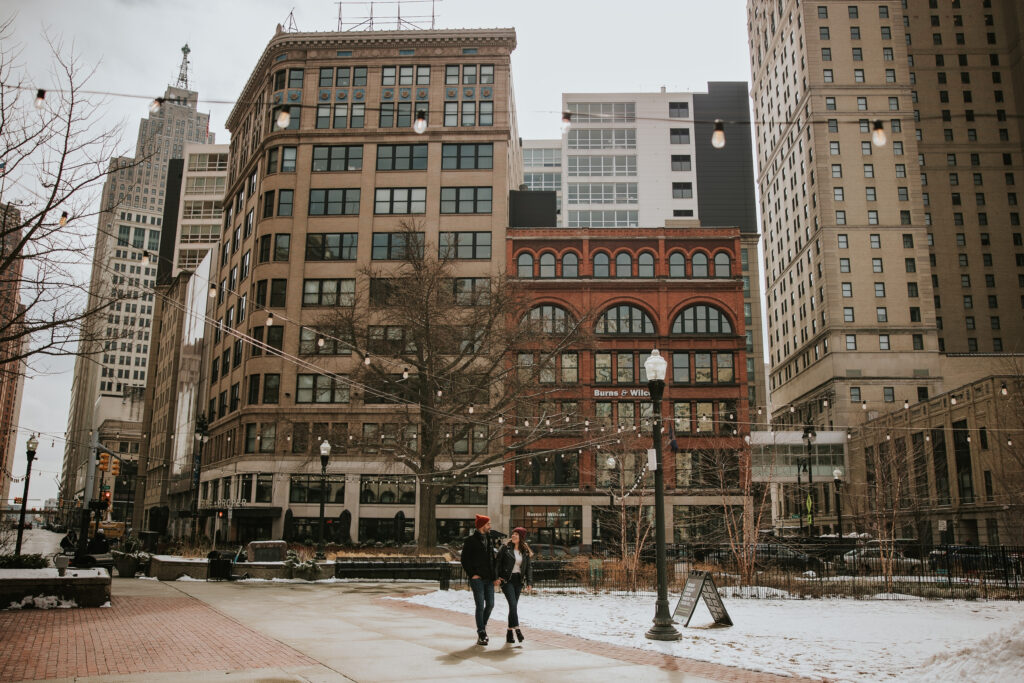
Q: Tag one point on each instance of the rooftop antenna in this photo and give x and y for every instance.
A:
(183, 69)
(289, 24)
(365, 22)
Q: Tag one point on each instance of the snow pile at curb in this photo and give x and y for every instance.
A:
(996, 658)
(42, 602)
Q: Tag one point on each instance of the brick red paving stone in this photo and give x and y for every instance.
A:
(718, 672)
(135, 635)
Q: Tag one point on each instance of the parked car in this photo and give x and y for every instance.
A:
(968, 559)
(872, 560)
(770, 555)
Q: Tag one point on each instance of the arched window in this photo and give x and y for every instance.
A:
(676, 264)
(701, 319)
(525, 266)
(623, 265)
(700, 264)
(601, 265)
(548, 319)
(547, 264)
(625, 319)
(570, 265)
(723, 267)
(645, 265)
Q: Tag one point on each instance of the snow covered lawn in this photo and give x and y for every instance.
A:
(842, 640)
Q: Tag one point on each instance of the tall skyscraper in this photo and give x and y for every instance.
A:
(110, 378)
(894, 267)
(12, 372)
(642, 159)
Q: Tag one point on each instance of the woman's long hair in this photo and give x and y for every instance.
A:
(524, 547)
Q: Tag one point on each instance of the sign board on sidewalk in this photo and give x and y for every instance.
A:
(701, 585)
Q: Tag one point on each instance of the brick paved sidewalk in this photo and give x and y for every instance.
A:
(717, 672)
(136, 635)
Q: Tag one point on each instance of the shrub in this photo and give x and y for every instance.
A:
(23, 562)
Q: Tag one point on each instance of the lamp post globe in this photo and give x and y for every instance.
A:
(30, 452)
(663, 629)
(837, 479)
(325, 456)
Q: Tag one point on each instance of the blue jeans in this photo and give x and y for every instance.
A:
(483, 596)
(512, 590)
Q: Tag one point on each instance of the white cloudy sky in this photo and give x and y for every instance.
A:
(563, 46)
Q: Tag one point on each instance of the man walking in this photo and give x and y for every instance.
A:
(478, 562)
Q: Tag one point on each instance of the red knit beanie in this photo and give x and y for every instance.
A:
(481, 520)
(521, 531)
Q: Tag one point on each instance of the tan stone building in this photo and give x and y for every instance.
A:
(325, 170)
(12, 373)
(890, 269)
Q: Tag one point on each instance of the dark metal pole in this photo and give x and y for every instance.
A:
(323, 495)
(197, 463)
(663, 628)
(810, 491)
(24, 499)
(839, 510)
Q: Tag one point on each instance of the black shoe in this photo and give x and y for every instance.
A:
(519, 635)
(481, 639)
(508, 637)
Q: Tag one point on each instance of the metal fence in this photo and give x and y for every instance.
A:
(950, 572)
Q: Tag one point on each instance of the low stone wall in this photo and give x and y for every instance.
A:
(171, 568)
(84, 587)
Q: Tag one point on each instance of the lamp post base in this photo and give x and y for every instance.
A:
(663, 628)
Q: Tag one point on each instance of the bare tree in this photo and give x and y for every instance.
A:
(469, 370)
(54, 158)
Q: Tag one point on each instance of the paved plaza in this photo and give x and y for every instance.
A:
(218, 631)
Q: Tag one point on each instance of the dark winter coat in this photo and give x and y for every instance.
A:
(507, 562)
(478, 558)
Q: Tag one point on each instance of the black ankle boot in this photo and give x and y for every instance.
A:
(519, 635)
(508, 637)
(481, 639)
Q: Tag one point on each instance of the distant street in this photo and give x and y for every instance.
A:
(40, 541)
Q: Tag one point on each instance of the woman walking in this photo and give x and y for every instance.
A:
(515, 575)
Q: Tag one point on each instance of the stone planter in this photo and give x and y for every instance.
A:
(127, 565)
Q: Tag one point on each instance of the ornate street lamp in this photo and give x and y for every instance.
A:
(663, 629)
(30, 452)
(325, 455)
(837, 475)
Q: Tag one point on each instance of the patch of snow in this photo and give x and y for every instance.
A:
(837, 639)
(147, 578)
(106, 604)
(996, 658)
(42, 602)
(759, 592)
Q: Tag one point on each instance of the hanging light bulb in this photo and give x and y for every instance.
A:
(718, 137)
(284, 118)
(213, 290)
(888, 437)
(759, 410)
(40, 98)
(1009, 442)
(849, 436)
(438, 391)
(270, 319)
(405, 373)
(792, 409)
(906, 404)
(156, 104)
(1003, 390)
(968, 438)
(566, 122)
(366, 361)
(501, 419)
(320, 341)
(566, 418)
(863, 405)
(470, 408)
(526, 423)
(824, 403)
(548, 422)
(878, 138)
(63, 218)
(419, 126)
(953, 400)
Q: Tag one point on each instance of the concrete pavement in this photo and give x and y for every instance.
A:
(199, 631)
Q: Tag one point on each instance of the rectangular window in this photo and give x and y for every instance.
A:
(337, 157)
(464, 245)
(679, 136)
(401, 157)
(467, 156)
(390, 246)
(320, 389)
(328, 292)
(465, 199)
(331, 246)
(400, 200)
(334, 202)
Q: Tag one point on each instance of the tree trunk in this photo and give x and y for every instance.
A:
(426, 517)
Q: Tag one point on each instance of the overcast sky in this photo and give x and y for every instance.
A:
(563, 46)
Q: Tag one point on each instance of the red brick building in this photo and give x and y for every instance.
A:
(678, 289)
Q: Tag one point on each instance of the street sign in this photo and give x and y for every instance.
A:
(701, 585)
(105, 487)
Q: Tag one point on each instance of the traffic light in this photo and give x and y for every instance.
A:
(115, 467)
(104, 461)
(105, 499)
(220, 513)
